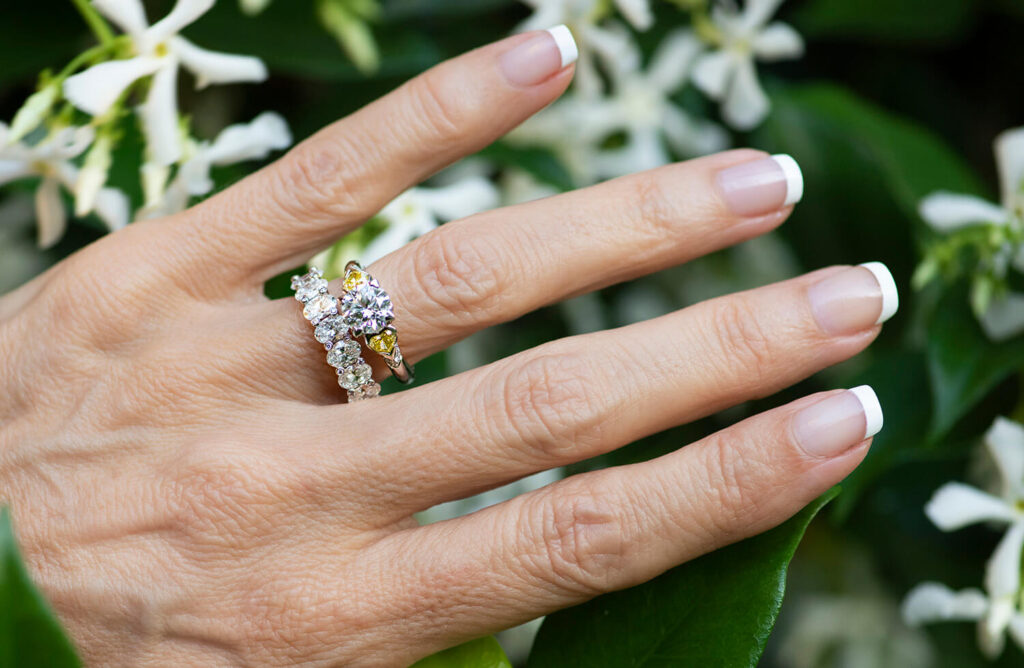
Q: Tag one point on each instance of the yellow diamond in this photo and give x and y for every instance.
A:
(354, 279)
(384, 342)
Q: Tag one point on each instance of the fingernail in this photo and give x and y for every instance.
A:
(761, 186)
(539, 57)
(854, 299)
(834, 425)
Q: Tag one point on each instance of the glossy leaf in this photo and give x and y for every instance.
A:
(717, 610)
(30, 634)
(480, 653)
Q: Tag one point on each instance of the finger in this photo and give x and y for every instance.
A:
(342, 175)
(498, 265)
(578, 397)
(615, 528)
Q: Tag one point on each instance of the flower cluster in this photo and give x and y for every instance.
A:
(1000, 607)
(139, 67)
(983, 240)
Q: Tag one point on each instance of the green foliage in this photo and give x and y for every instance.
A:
(30, 635)
(885, 20)
(481, 653)
(717, 610)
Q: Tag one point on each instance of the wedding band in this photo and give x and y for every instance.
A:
(343, 352)
(367, 312)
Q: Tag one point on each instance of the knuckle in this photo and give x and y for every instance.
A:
(733, 490)
(440, 113)
(552, 404)
(582, 544)
(318, 177)
(745, 347)
(459, 274)
(654, 206)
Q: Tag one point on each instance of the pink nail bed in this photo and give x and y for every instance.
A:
(834, 425)
(762, 186)
(540, 57)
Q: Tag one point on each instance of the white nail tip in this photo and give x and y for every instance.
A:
(565, 43)
(794, 178)
(890, 294)
(872, 409)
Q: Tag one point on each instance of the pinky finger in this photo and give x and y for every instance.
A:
(611, 529)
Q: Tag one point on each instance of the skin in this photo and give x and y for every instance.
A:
(187, 489)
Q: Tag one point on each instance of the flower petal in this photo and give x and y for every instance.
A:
(1009, 149)
(1002, 574)
(13, 170)
(253, 7)
(757, 12)
(934, 602)
(956, 505)
(250, 141)
(160, 117)
(637, 12)
(1004, 317)
(214, 67)
(673, 60)
(51, 218)
(113, 208)
(1005, 441)
(184, 13)
(778, 41)
(946, 211)
(96, 89)
(712, 73)
(689, 136)
(128, 15)
(460, 199)
(746, 104)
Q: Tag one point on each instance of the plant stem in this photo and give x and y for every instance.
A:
(96, 23)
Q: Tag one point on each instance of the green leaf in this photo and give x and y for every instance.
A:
(480, 653)
(963, 363)
(885, 20)
(30, 634)
(717, 610)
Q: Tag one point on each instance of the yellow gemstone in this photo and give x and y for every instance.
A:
(384, 342)
(354, 279)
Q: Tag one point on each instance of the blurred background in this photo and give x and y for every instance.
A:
(889, 101)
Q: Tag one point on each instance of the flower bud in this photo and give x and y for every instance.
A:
(93, 175)
(32, 113)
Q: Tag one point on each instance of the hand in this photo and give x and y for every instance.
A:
(187, 490)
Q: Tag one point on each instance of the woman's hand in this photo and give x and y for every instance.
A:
(187, 490)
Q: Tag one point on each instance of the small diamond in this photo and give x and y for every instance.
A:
(367, 309)
(384, 342)
(329, 329)
(345, 353)
(364, 392)
(354, 279)
(308, 285)
(320, 307)
(356, 376)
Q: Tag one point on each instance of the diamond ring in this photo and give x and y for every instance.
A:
(366, 311)
(343, 352)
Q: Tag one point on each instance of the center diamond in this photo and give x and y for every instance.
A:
(367, 309)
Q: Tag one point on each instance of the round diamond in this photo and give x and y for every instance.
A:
(367, 309)
(356, 376)
(320, 307)
(329, 329)
(308, 285)
(345, 353)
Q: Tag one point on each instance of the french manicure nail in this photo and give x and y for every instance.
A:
(834, 425)
(762, 186)
(854, 299)
(539, 57)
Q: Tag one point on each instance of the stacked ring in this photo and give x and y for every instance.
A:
(367, 312)
(343, 352)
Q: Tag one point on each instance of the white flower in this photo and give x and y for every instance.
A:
(947, 212)
(159, 51)
(641, 105)
(581, 16)
(957, 505)
(729, 74)
(51, 160)
(419, 210)
(235, 143)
